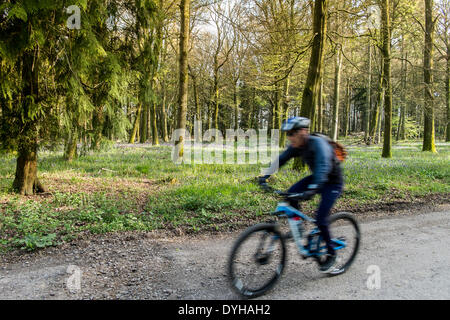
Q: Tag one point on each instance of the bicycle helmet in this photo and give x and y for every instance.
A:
(295, 123)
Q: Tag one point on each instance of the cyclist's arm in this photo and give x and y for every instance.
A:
(322, 163)
(281, 161)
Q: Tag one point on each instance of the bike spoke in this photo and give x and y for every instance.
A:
(257, 262)
(345, 237)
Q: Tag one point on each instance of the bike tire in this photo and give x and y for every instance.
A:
(338, 221)
(240, 281)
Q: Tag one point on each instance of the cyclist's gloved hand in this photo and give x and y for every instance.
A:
(263, 180)
(310, 192)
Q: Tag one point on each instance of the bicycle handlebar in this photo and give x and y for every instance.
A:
(286, 195)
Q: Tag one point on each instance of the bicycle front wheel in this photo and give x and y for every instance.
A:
(257, 260)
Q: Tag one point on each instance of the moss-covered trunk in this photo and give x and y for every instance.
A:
(183, 73)
(428, 130)
(165, 135)
(346, 118)
(374, 121)
(98, 120)
(386, 34)
(319, 118)
(70, 150)
(447, 85)
(311, 90)
(368, 95)
(216, 95)
(135, 125)
(337, 96)
(153, 124)
(26, 181)
(143, 125)
(285, 108)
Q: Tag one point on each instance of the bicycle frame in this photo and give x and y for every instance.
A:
(295, 218)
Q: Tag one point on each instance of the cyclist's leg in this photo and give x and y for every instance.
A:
(330, 193)
(300, 186)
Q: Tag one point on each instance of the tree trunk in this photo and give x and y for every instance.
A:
(368, 96)
(236, 106)
(216, 92)
(428, 131)
(165, 135)
(143, 125)
(152, 114)
(346, 120)
(26, 181)
(153, 125)
(402, 135)
(183, 87)
(158, 53)
(447, 85)
(70, 151)
(380, 120)
(337, 87)
(97, 125)
(250, 115)
(386, 32)
(284, 109)
(255, 112)
(135, 125)
(197, 115)
(311, 90)
(277, 107)
(277, 110)
(375, 121)
(320, 108)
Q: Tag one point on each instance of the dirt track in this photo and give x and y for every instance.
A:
(411, 252)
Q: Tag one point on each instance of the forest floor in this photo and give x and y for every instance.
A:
(141, 189)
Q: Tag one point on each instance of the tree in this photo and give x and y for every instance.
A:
(368, 94)
(444, 35)
(26, 29)
(184, 75)
(222, 53)
(337, 82)
(312, 85)
(376, 112)
(401, 130)
(428, 130)
(386, 35)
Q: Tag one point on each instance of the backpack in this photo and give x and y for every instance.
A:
(339, 149)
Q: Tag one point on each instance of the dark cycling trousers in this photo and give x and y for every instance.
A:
(330, 193)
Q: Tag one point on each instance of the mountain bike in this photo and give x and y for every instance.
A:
(258, 256)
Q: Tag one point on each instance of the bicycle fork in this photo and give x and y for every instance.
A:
(262, 256)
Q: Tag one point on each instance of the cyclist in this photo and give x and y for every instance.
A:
(326, 178)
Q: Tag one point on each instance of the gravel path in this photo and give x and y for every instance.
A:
(410, 251)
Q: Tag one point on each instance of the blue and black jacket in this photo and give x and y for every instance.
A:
(319, 155)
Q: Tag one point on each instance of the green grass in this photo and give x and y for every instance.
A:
(408, 173)
(142, 189)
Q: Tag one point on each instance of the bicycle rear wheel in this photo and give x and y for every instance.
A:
(257, 260)
(346, 236)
